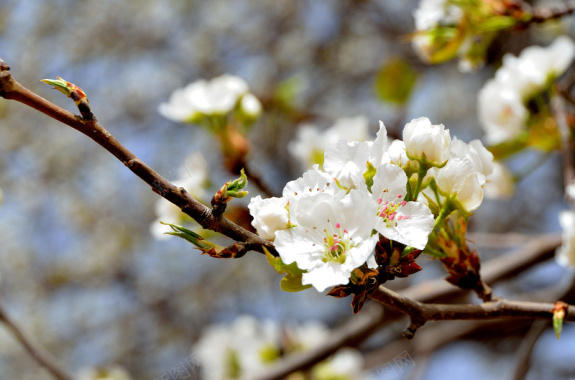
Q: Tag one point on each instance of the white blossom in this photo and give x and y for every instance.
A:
(251, 106)
(333, 236)
(502, 100)
(347, 161)
(346, 364)
(431, 13)
(215, 97)
(426, 142)
(529, 73)
(478, 155)
(409, 223)
(459, 179)
(310, 144)
(501, 112)
(270, 215)
(565, 254)
(500, 183)
(237, 350)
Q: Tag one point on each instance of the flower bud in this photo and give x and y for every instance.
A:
(429, 144)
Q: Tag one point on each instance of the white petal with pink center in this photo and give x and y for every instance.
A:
(333, 236)
(409, 223)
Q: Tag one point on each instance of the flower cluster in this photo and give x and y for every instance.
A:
(329, 221)
(506, 102)
(446, 29)
(248, 346)
(217, 97)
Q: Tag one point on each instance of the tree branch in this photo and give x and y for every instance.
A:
(42, 357)
(420, 313)
(11, 89)
(554, 11)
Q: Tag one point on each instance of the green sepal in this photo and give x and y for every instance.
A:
(434, 207)
(369, 174)
(291, 282)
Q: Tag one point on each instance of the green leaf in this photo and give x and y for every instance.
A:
(395, 81)
(235, 187)
(292, 283)
(60, 84)
(191, 236)
(492, 24)
(280, 266)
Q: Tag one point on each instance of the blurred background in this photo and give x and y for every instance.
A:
(79, 268)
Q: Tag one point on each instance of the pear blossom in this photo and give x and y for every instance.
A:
(480, 157)
(528, 73)
(251, 106)
(459, 180)
(502, 101)
(215, 97)
(347, 162)
(273, 214)
(570, 190)
(333, 236)
(270, 215)
(241, 349)
(431, 13)
(501, 112)
(247, 346)
(310, 143)
(500, 184)
(427, 143)
(346, 364)
(409, 223)
(398, 155)
(565, 254)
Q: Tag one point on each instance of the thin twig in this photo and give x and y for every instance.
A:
(523, 354)
(11, 89)
(42, 357)
(558, 109)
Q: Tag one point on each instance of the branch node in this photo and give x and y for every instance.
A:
(410, 331)
(3, 65)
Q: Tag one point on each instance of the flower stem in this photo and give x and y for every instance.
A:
(420, 175)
